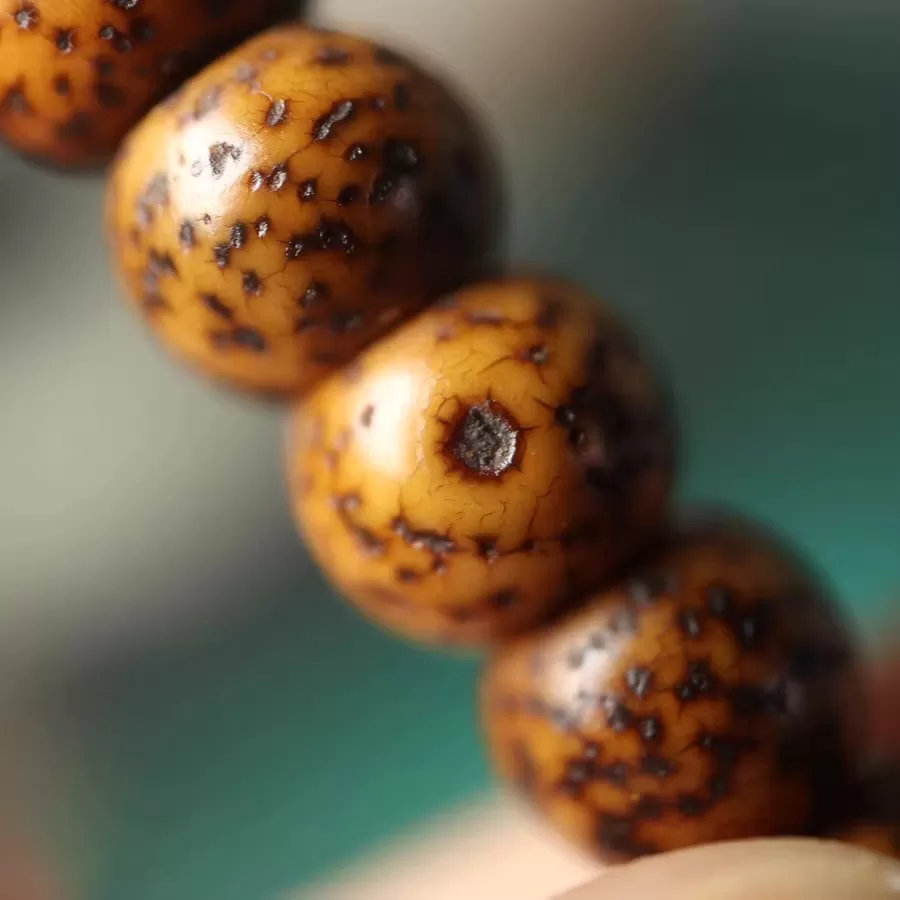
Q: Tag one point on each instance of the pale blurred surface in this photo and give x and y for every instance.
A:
(224, 727)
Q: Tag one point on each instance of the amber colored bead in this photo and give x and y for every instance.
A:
(76, 75)
(498, 454)
(708, 696)
(294, 202)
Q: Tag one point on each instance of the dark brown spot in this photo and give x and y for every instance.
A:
(355, 152)
(424, 539)
(719, 600)
(308, 189)
(250, 339)
(689, 623)
(639, 680)
(15, 100)
(251, 283)
(143, 30)
(186, 235)
(401, 96)
(238, 235)
(222, 255)
(700, 682)
(407, 576)
(324, 127)
(216, 306)
(65, 40)
(331, 56)
(277, 113)
(485, 440)
(277, 177)
(62, 85)
(348, 195)
(381, 188)
(504, 599)
(658, 766)
(651, 729)
(616, 833)
(618, 716)
(487, 548)
(366, 416)
(551, 307)
(315, 293)
(401, 156)
(105, 66)
(27, 16)
(219, 154)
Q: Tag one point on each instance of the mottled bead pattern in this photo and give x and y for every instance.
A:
(496, 456)
(296, 201)
(76, 75)
(708, 696)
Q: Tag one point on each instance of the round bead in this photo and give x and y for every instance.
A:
(294, 202)
(708, 696)
(76, 75)
(502, 452)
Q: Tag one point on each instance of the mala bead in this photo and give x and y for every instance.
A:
(501, 453)
(711, 695)
(295, 201)
(76, 75)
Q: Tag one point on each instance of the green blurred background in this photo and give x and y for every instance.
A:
(750, 227)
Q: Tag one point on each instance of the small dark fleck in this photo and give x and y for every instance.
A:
(277, 113)
(324, 126)
(407, 576)
(648, 809)
(186, 235)
(27, 16)
(692, 805)
(615, 773)
(487, 548)
(348, 195)
(65, 40)
(598, 640)
(250, 338)
(62, 85)
(219, 154)
(401, 96)
(197, 168)
(565, 416)
(381, 188)
(307, 190)
(575, 657)
(110, 96)
(485, 441)
(331, 56)
(639, 680)
(551, 307)
(143, 30)
(401, 156)
(251, 283)
(618, 716)
(651, 729)
(658, 766)
(538, 354)
(262, 226)
(215, 305)
(105, 66)
(315, 293)
(222, 254)
(366, 416)
(295, 246)
(355, 152)
(277, 177)
(719, 600)
(238, 235)
(504, 599)
(689, 623)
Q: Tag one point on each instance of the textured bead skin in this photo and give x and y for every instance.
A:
(499, 454)
(709, 696)
(295, 201)
(76, 75)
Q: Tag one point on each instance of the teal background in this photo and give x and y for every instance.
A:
(753, 237)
